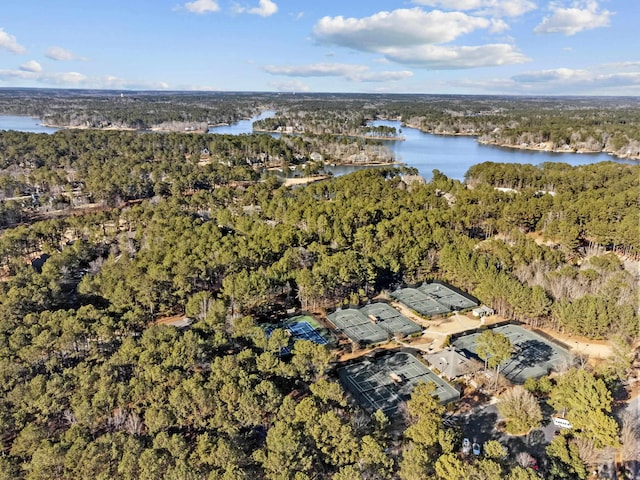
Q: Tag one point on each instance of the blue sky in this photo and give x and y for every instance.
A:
(561, 47)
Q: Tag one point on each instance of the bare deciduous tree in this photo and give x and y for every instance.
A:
(589, 454)
(134, 424)
(630, 437)
(69, 417)
(524, 459)
(520, 409)
(118, 419)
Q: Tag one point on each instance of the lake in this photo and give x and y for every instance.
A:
(452, 155)
(24, 124)
(243, 126)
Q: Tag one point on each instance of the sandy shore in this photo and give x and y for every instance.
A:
(84, 127)
(289, 182)
(122, 129)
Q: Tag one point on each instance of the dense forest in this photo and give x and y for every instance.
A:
(90, 389)
(76, 167)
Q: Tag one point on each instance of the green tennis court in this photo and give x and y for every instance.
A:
(355, 325)
(534, 356)
(420, 302)
(390, 319)
(385, 382)
(435, 298)
(373, 323)
(447, 296)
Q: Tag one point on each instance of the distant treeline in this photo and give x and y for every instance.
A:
(559, 123)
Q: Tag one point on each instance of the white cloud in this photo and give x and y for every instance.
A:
(619, 78)
(266, 8)
(289, 86)
(453, 57)
(557, 74)
(352, 72)
(10, 43)
(77, 80)
(498, 26)
(62, 54)
(196, 88)
(403, 27)
(31, 66)
(602, 79)
(386, 76)
(498, 8)
(582, 15)
(54, 78)
(410, 36)
(202, 6)
(618, 65)
(315, 70)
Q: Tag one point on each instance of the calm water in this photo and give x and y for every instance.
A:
(243, 126)
(452, 155)
(24, 124)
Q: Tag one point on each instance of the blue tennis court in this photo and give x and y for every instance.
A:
(284, 351)
(304, 331)
(298, 331)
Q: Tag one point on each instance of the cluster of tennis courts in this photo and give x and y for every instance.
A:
(300, 328)
(432, 299)
(533, 355)
(374, 323)
(385, 382)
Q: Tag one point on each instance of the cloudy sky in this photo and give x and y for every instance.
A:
(576, 47)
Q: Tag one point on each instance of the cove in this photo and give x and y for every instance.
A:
(453, 155)
(24, 124)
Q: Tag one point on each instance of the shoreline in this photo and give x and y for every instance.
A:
(369, 137)
(541, 147)
(366, 164)
(292, 182)
(546, 147)
(84, 127)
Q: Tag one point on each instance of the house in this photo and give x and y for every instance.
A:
(482, 311)
(453, 364)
